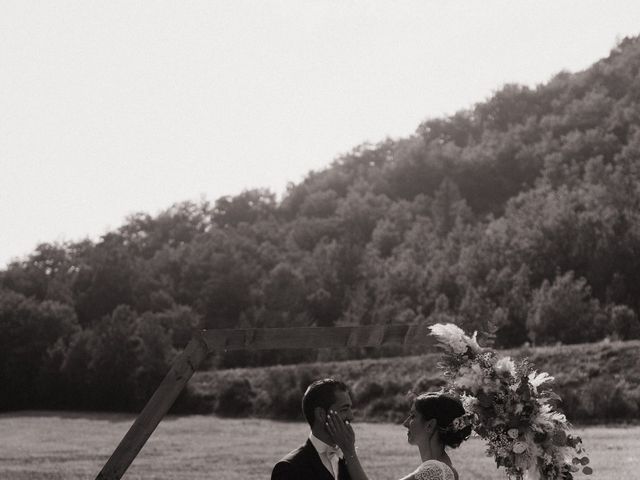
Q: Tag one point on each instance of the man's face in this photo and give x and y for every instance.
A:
(342, 405)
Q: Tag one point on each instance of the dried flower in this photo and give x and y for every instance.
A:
(519, 447)
(507, 404)
(505, 366)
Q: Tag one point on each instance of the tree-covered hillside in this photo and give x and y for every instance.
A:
(519, 217)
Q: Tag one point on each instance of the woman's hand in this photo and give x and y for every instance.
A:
(341, 432)
(343, 435)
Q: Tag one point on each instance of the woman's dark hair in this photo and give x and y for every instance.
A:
(320, 393)
(445, 408)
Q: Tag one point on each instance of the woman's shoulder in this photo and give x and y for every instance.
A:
(434, 470)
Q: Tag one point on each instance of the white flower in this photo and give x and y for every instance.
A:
(471, 378)
(546, 420)
(473, 342)
(458, 346)
(459, 423)
(536, 379)
(532, 474)
(454, 337)
(519, 447)
(469, 402)
(505, 365)
(513, 433)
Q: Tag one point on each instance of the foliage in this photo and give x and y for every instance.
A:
(30, 332)
(565, 312)
(518, 216)
(509, 405)
(235, 398)
(381, 387)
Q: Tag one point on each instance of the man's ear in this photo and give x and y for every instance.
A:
(320, 415)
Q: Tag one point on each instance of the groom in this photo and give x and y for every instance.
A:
(318, 458)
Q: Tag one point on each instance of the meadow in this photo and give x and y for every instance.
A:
(73, 446)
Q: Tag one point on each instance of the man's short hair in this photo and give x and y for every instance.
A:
(320, 393)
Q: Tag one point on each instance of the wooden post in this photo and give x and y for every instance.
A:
(206, 342)
(155, 409)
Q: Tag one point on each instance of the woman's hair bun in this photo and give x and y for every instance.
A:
(445, 408)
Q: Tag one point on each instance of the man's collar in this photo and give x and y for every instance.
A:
(320, 446)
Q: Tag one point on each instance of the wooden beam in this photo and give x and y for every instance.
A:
(317, 337)
(155, 409)
(209, 341)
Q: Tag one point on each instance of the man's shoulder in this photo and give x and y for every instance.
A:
(295, 455)
(292, 464)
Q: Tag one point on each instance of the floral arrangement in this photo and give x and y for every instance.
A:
(510, 405)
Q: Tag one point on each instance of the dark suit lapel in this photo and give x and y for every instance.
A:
(314, 463)
(343, 472)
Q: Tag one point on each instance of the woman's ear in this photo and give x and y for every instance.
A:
(431, 425)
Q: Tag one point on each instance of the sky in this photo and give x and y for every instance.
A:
(112, 108)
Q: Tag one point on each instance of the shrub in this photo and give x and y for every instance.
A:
(596, 381)
(601, 398)
(235, 399)
(365, 391)
(388, 408)
(565, 312)
(429, 384)
(29, 330)
(180, 322)
(153, 358)
(624, 322)
(283, 394)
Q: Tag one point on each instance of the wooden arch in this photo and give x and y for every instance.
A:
(208, 341)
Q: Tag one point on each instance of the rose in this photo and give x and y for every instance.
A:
(458, 423)
(519, 447)
(513, 433)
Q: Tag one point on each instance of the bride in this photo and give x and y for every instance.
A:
(430, 427)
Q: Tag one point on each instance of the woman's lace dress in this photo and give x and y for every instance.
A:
(434, 470)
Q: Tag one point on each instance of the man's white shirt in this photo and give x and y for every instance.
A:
(329, 454)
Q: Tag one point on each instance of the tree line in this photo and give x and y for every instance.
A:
(518, 217)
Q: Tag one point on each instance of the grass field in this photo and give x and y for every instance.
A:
(40, 445)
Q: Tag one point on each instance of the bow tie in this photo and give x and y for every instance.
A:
(333, 453)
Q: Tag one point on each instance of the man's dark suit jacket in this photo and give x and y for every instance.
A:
(304, 464)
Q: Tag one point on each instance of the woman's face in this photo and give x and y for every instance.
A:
(416, 427)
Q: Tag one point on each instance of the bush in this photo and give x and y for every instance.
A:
(180, 322)
(283, 394)
(388, 408)
(607, 399)
(565, 312)
(29, 330)
(624, 323)
(365, 391)
(117, 364)
(597, 382)
(429, 384)
(153, 357)
(235, 399)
